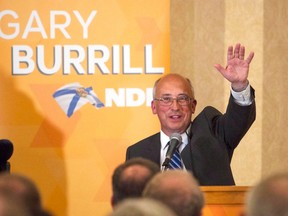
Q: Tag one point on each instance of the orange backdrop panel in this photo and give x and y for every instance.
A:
(46, 45)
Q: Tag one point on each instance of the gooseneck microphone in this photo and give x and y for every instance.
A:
(175, 141)
(6, 151)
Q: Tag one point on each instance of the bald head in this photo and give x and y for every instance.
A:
(269, 197)
(136, 171)
(174, 79)
(143, 207)
(177, 189)
(130, 178)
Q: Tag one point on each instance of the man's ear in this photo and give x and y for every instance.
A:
(153, 107)
(193, 105)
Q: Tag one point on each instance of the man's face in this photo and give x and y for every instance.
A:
(175, 117)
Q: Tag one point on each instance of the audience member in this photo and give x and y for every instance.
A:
(269, 197)
(179, 190)
(142, 207)
(11, 207)
(130, 178)
(23, 190)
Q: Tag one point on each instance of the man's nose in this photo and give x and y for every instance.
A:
(175, 104)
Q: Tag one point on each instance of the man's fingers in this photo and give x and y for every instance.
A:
(220, 68)
(237, 50)
(250, 57)
(230, 54)
(242, 53)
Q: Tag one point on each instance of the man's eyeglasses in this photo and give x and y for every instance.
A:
(182, 100)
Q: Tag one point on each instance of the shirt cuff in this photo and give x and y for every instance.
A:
(242, 98)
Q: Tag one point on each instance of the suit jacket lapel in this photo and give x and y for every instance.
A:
(154, 148)
(186, 152)
(186, 157)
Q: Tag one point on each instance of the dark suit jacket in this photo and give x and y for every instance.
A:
(214, 136)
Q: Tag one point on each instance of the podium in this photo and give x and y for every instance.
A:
(224, 200)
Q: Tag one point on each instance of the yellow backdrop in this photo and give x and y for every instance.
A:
(119, 48)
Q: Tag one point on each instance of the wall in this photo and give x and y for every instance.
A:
(201, 33)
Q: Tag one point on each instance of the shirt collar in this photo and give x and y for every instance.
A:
(165, 139)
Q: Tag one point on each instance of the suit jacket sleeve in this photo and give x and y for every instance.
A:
(234, 124)
(214, 138)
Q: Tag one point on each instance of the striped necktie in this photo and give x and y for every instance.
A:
(175, 162)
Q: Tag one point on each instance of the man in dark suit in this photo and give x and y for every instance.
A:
(208, 142)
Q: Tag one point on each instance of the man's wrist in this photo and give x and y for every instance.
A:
(239, 87)
(243, 97)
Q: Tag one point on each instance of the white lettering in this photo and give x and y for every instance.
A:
(59, 20)
(148, 62)
(135, 97)
(75, 57)
(12, 25)
(22, 55)
(113, 96)
(128, 97)
(60, 26)
(127, 69)
(100, 62)
(116, 59)
(74, 62)
(39, 27)
(88, 22)
(41, 60)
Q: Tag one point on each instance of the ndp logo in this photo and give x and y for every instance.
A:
(128, 97)
(73, 96)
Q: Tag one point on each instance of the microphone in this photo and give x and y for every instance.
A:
(6, 151)
(175, 141)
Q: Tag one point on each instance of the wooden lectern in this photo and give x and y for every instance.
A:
(224, 200)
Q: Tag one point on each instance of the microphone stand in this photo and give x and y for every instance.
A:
(165, 164)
